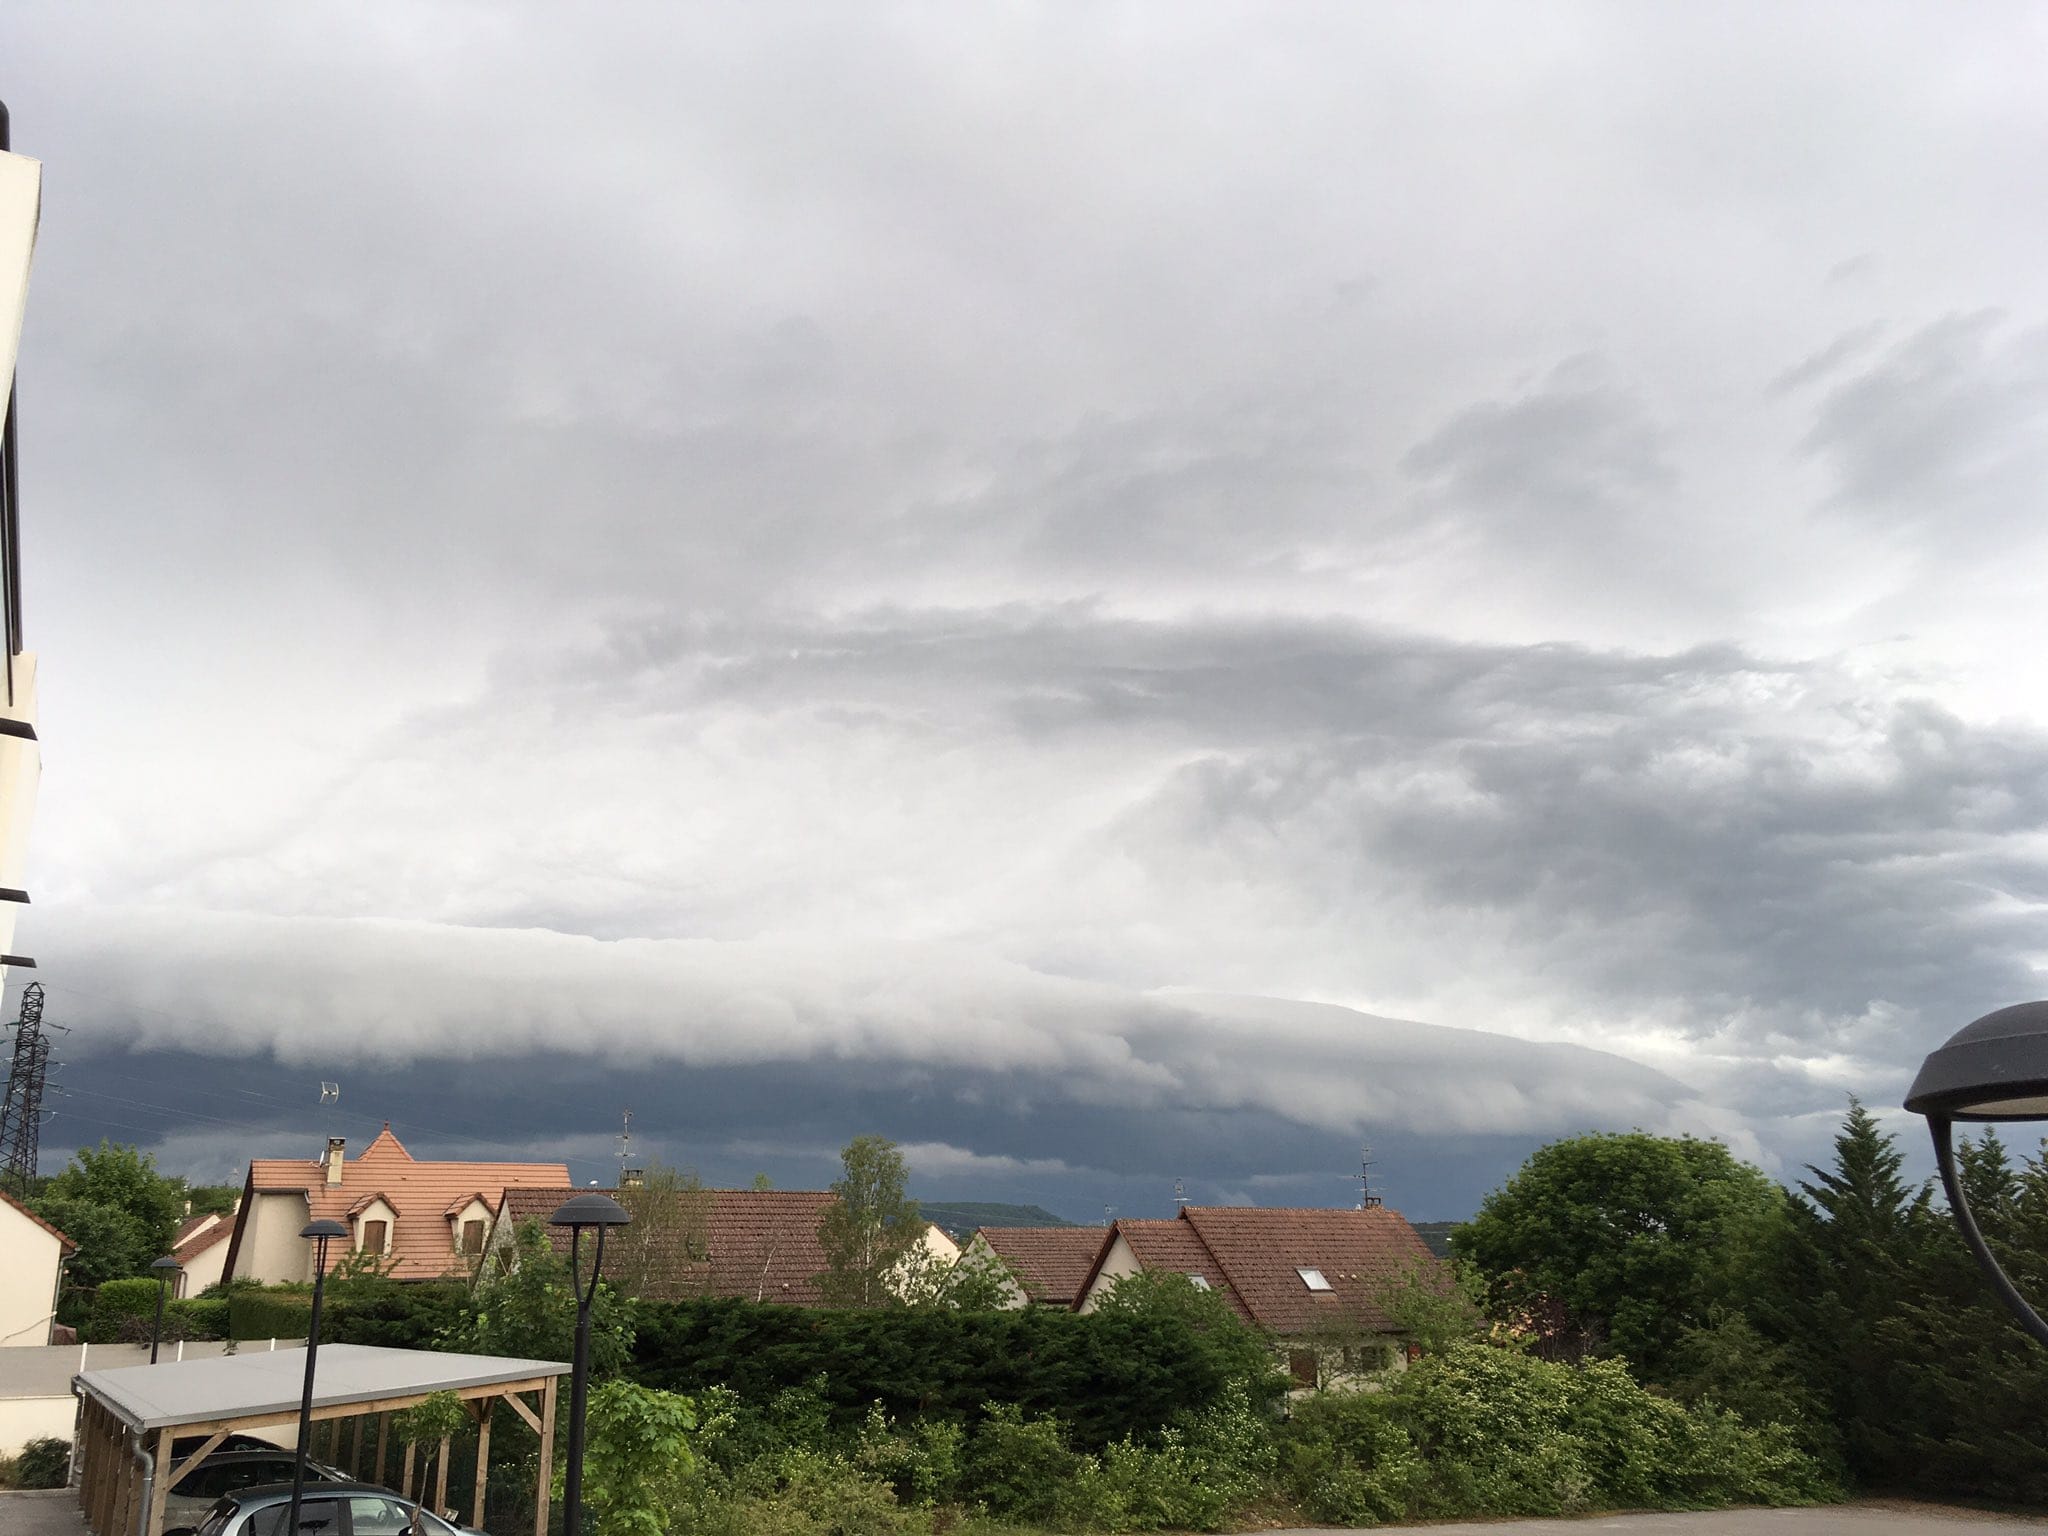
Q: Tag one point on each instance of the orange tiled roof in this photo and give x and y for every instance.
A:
(1175, 1246)
(1261, 1251)
(1053, 1262)
(69, 1246)
(760, 1244)
(422, 1246)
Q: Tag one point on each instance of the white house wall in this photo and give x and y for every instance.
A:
(272, 1249)
(29, 1259)
(1117, 1263)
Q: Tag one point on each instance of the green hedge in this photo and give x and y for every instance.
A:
(269, 1314)
(1105, 1377)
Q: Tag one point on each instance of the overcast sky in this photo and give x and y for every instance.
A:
(900, 568)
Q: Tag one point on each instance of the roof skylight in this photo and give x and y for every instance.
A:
(1312, 1277)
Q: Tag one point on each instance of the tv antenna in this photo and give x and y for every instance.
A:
(1367, 1200)
(625, 1138)
(1180, 1195)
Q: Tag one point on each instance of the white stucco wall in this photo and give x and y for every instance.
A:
(272, 1249)
(29, 1257)
(204, 1267)
(1117, 1263)
(978, 1252)
(21, 763)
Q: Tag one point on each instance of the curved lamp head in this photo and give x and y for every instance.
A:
(1993, 1069)
(325, 1227)
(165, 1267)
(590, 1210)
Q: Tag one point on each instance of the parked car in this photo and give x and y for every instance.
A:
(226, 1472)
(327, 1509)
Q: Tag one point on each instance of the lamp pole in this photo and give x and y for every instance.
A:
(1995, 1069)
(163, 1269)
(321, 1233)
(576, 1213)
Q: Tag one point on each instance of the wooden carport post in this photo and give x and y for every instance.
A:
(160, 1484)
(485, 1407)
(543, 1493)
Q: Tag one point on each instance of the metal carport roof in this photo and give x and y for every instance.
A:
(265, 1385)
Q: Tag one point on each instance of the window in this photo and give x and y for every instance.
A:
(1312, 1277)
(1301, 1365)
(317, 1517)
(1199, 1282)
(370, 1515)
(472, 1237)
(376, 1236)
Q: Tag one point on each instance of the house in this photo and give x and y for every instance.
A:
(201, 1249)
(420, 1221)
(1312, 1280)
(21, 763)
(752, 1244)
(1047, 1265)
(32, 1255)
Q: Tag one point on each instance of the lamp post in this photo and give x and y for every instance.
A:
(576, 1213)
(322, 1233)
(1994, 1069)
(163, 1269)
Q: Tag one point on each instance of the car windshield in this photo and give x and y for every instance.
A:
(217, 1518)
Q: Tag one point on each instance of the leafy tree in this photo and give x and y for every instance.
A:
(122, 1213)
(983, 1283)
(436, 1417)
(1434, 1305)
(662, 1251)
(1238, 1350)
(871, 1229)
(637, 1465)
(1636, 1236)
(528, 1311)
(213, 1199)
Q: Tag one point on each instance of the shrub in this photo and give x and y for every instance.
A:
(42, 1463)
(1023, 1469)
(270, 1314)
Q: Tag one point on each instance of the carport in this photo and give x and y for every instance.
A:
(129, 1417)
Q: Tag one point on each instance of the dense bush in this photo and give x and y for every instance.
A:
(395, 1315)
(42, 1463)
(1482, 1431)
(269, 1314)
(1107, 1378)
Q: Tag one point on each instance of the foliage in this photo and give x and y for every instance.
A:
(212, 1199)
(1637, 1237)
(663, 1249)
(871, 1229)
(1108, 1375)
(637, 1465)
(435, 1418)
(359, 1271)
(116, 1207)
(528, 1311)
(44, 1462)
(1434, 1305)
(1485, 1431)
(1175, 1301)
(270, 1314)
(981, 1283)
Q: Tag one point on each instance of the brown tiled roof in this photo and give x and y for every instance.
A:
(1176, 1246)
(1261, 1251)
(1053, 1262)
(69, 1246)
(760, 1244)
(196, 1234)
(421, 1244)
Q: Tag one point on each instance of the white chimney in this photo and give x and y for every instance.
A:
(334, 1149)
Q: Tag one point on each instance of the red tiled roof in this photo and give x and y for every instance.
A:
(69, 1246)
(760, 1244)
(1261, 1253)
(1052, 1262)
(422, 1246)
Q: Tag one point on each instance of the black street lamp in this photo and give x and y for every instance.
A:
(321, 1232)
(576, 1213)
(163, 1269)
(1994, 1069)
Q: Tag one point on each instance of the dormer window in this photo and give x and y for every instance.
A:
(469, 1224)
(376, 1237)
(473, 1236)
(1312, 1277)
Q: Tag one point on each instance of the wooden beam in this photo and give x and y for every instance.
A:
(355, 1449)
(321, 1415)
(405, 1473)
(383, 1442)
(206, 1449)
(545, 1479)
(440, 1479)
(160, 1486)
(518, 1406)
(483, 1461)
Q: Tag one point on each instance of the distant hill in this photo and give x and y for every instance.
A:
(1437, 1234)
(960, 1217)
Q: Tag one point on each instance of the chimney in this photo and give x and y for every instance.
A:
(632, 1178)
(334, 1149)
